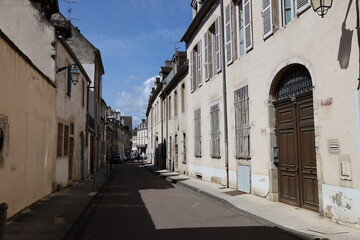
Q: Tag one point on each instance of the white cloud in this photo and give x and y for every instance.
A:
(134, 103)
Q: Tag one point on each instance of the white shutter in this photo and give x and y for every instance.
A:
(191, 69)
(228, 34)
(217, 45)
(267, 18)
(199, 64)
(248, 24)
(301, 5)
(206, 56)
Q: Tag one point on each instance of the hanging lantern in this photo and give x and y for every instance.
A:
(321, 6)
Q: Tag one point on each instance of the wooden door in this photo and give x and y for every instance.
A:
(296, 142)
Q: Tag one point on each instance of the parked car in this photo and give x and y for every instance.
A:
(116, 159)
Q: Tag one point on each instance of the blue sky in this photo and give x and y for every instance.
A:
(135, 37)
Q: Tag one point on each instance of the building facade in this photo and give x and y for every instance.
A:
(271, 102)
(142, 137)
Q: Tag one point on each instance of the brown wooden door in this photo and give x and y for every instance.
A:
(296, 141)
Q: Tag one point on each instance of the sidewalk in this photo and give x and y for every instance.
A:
(306, 224)
(54, 215)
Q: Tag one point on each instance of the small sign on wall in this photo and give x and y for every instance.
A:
(334, 146)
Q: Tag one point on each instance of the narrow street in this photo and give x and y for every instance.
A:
(136, 204)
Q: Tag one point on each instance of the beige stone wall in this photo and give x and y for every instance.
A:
(28, 101)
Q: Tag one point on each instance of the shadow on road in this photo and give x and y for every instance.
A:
(119, 212)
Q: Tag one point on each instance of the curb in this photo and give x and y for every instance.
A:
(222, 202)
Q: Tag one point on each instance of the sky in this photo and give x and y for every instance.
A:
(134, 37)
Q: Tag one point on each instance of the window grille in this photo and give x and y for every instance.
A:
(242, 127)
(197, 124)
(215, 131)
(295, 81)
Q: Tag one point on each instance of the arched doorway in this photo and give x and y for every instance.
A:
(295, 133)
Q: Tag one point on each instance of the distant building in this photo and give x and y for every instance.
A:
(141, 139)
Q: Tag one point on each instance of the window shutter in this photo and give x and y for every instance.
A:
(199, 64)
(248, 24)
(206, 56)
(217, 45)
(191, 66)
(228, 34)
(302, 5)
(267, 18)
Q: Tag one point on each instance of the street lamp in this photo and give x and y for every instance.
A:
(74, 73)
(321, 6)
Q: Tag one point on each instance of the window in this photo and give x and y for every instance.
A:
(183, 98)
(60, 140)
(169, 107)
(288, 10)
(216, 46)
(215, 130)
(199, 64)
(242, 127)
(195, 67)
(175, 104)
(83, 86)
(197, 124)
(66, 140)
(240, 28)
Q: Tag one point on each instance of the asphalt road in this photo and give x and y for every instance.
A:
(137, 204)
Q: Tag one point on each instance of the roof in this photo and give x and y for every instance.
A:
(198, 19)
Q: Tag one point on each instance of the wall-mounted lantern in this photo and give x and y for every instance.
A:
(74, 73)
(321, 6)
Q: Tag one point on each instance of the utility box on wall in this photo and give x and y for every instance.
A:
(243, 176)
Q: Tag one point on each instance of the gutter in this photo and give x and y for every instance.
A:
(226, 135)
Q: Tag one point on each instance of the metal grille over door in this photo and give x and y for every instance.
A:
(295, 81)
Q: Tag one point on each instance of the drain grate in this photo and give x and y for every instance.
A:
(235, 193)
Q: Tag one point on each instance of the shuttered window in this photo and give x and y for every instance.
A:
(191, 70)
(242, 127)
(267, 18)
(228, 34)
(66, 140)
(199, 64)
(217, 45)
(248, 24)
(302, 5)
(215, 130)
(206, 56)
(197, 125)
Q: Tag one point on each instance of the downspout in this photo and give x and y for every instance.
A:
(358, 87)
(226, 137)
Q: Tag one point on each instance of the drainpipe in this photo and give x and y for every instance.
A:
(226, 137)
(358, 87)
(3, 212)
(358, 36)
